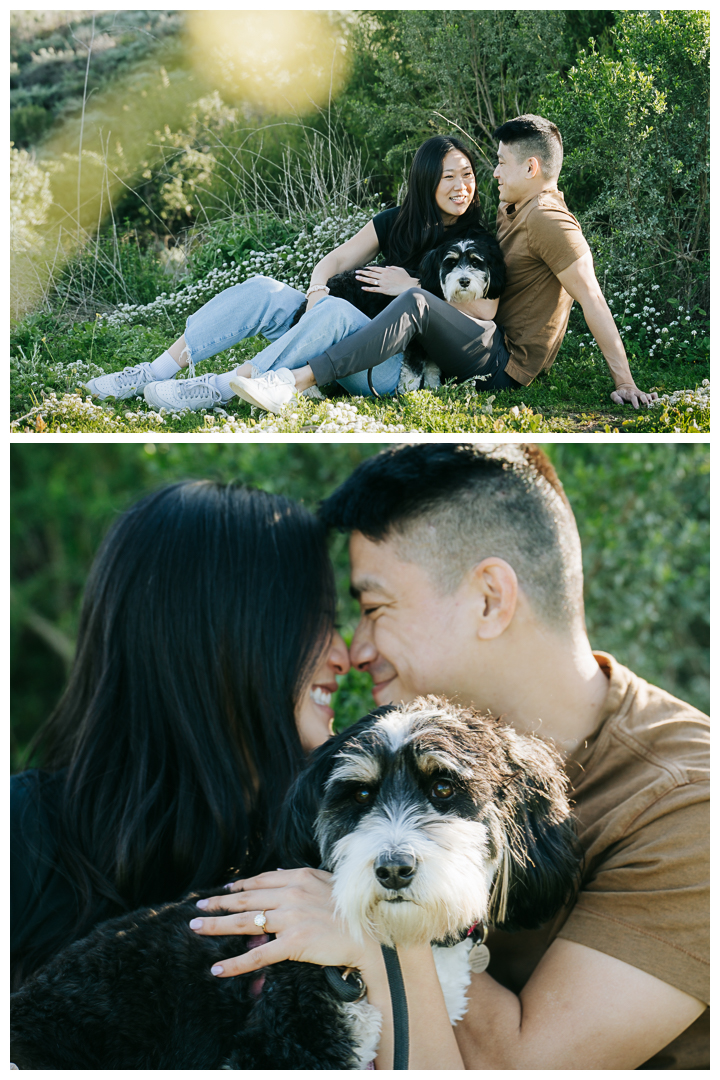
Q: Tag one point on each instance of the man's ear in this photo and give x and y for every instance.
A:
(534, 167)
(495, 585)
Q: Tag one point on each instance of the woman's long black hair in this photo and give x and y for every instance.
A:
(205, 613)
(419, 225)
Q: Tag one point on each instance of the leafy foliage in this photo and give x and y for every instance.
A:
(636, 131)
(642, 511)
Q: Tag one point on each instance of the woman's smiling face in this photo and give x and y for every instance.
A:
(456, 189)
(314, 714)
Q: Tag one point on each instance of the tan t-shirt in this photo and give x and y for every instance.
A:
(539, 239)
(641, 794)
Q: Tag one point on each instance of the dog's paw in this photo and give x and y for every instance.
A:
(428, 378)
(313, 392)
(433, 375)
(408, 380)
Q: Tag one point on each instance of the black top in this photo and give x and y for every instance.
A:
(383, 223)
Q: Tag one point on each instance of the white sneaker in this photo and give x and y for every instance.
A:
(121, 384)
(193, 394)
(272, 391)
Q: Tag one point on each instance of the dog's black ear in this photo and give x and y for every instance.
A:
(430, 270)
(542, 858)
(496, 266)
(295, 834)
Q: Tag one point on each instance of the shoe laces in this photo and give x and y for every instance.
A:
(273, 379)
(199, 388)
(127, 374)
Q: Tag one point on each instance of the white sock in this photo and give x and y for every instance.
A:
(223, 383)
(164, 367)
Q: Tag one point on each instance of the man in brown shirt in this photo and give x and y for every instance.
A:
(466, 561)
(548, 261)
(467, 565)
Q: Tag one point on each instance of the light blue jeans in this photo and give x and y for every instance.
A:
(264, 306)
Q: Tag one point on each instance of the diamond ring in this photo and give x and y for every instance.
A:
(260, 919)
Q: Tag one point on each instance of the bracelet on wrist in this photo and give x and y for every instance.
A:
(317, 288)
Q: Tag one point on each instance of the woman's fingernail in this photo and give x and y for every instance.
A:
(217, 969)
(229, 886)
(202, 903)
(196, 924)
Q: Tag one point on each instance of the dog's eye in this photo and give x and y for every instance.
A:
(363, 795)
(442, 789)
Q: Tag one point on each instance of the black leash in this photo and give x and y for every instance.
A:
(401, 1036)
(348, 986)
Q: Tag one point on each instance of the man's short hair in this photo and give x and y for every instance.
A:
(534, 136)
(448, 506)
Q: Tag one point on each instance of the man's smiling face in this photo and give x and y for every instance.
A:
(412, 638)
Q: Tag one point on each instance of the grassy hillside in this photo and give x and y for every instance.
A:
(138, 191)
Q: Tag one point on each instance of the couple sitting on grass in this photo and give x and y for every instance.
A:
(502, 343)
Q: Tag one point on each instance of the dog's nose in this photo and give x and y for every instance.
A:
(464, 281)
(395, 870)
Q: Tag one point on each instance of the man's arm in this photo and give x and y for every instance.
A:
(478, 309)
(579, 280)
(580, 1009)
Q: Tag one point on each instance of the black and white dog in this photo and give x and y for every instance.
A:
(471, 268)
(431, 818)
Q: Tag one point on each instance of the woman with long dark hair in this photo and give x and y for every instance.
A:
(205, 662)
(441, 202)
(206, 655)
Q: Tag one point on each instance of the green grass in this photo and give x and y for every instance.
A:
(50, 360)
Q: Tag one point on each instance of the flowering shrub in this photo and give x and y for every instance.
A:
(289, 263)
(639, 311)
(30, 200)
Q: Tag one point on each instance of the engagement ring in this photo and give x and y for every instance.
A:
(260, 919)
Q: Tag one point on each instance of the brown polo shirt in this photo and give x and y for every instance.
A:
(539, 239)
(640, 787)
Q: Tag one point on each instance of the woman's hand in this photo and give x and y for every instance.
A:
(388, 280)
(299, 911)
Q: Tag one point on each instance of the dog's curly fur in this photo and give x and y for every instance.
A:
(478, 251)
(137, 993)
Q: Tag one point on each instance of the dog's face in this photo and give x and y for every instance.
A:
(430, 818)
(471, 268)
(464, 273)
(401, 826)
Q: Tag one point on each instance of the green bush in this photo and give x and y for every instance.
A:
(28, 124)
(636, 130)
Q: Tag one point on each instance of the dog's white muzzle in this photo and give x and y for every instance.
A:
(449, 887)
(464, 283)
